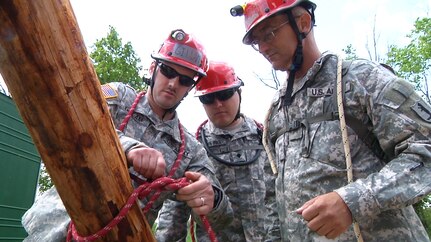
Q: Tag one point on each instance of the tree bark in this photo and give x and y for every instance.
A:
(45, 65)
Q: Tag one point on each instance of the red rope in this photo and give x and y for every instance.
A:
(198, 132)
(163, 183)
(132, 109)
(192, 229)
(158, 185)
(211, 233)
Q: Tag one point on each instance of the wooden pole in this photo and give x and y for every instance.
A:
(46, 68)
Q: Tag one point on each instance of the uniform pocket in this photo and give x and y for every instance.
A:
(326, 145)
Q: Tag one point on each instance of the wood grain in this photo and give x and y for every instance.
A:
(45, 65)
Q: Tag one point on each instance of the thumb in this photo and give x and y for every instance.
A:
(192, 176)
(305, 206)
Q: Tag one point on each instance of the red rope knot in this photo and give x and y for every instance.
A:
(158, 185)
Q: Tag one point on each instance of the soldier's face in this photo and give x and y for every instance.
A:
(222, 111)
(169, 84)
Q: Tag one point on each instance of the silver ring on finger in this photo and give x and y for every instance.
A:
(203, 201)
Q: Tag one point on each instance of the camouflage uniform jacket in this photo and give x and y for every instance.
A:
(310, 156)
(145, 129)
(249, 186)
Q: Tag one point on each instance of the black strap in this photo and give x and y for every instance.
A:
(288, 95)
(226, 162)
(366, 135)
(297, 59)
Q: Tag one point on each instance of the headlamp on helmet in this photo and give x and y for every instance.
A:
(256, 11)
(183, 49)
(238, 10)
(178, 35)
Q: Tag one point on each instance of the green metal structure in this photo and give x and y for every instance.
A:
(19, 171)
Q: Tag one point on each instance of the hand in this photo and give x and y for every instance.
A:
(199, 195)
(148, 162)
(327, 215)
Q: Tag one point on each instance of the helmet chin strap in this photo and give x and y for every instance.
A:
(297, 59)
(153, 76)
(238, 114)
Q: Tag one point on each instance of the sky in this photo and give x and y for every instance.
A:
(146, 24)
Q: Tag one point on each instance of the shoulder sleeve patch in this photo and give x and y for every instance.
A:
(422, 110)
(109, 92)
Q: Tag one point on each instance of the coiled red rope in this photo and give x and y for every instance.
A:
(158, 185)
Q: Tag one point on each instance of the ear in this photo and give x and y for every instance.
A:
(304, 23)
(152, 68)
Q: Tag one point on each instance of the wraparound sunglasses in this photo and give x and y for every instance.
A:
(171, 73)
(221, 96)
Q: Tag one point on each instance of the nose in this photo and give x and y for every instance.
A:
(174, 81)
(263, 47)
(218, 103)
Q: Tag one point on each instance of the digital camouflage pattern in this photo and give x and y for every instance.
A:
(250, 189)
(310, 158)
(143, 129)
(47, 219)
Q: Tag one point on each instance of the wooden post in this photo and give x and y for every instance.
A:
(47, 70)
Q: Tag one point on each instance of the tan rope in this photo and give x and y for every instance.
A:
(265, 141)
(345, 137)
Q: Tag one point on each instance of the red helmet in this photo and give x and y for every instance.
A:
(183, 49)
(220, 76)
(255, 11)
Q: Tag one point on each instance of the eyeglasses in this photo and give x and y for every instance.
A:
(221, 96)
(171, 73)
(268, 37)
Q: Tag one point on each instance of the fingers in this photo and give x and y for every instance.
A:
(200, 205)
(329, 228)
(199, 183)
(198, 202)
(309, 212)
(327, 231)
(305, 206)
(192, 176)
(327, 215)
(147, 162)
(156, 167)
(199, 195)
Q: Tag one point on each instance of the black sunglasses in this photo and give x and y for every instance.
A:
(221, 96)
(170, 73)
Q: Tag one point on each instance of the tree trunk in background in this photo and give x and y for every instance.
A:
(45, 65)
